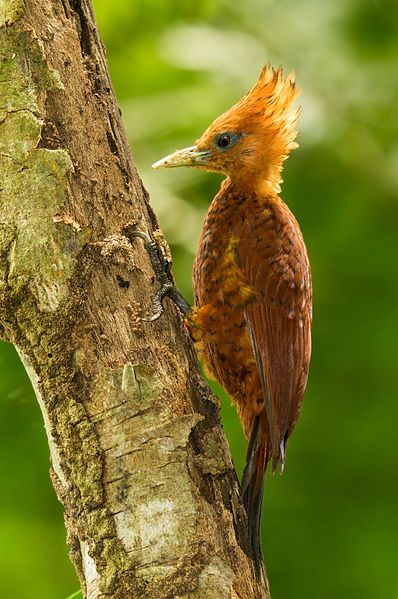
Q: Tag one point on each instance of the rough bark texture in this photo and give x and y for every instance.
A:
(139, 460)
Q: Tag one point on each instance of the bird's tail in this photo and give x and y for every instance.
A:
(253, 487)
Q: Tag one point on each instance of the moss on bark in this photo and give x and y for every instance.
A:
(11, 11)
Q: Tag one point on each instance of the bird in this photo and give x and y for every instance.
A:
(252, 312)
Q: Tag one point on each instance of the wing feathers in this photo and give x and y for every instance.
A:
(279, 318)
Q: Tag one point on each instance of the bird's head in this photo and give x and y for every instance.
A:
(250, 141)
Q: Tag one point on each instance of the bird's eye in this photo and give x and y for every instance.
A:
(223, 141)
(227, 139)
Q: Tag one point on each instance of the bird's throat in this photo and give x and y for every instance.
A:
(260, 182)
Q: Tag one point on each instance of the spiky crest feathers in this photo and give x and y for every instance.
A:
(266, 111)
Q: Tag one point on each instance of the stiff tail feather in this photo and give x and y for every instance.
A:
(253, 488)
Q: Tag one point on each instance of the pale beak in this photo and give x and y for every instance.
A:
(187, 157)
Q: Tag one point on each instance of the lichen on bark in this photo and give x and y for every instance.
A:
(11, 11)
(33, 180)
(150, 486)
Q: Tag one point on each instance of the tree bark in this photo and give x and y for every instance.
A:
(138, 457)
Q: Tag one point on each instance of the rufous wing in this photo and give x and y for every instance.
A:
(274, 262)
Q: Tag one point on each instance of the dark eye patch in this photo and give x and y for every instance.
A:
(226, 140)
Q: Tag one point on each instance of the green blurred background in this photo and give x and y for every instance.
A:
(330, 524)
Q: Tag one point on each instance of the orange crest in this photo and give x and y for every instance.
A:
(266, 110)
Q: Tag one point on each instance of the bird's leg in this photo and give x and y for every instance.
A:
(162, 268)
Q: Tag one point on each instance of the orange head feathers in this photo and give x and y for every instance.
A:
(251, 140)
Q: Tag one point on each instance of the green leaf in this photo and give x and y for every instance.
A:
(77, 595)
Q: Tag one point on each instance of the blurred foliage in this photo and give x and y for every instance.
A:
(330, 524)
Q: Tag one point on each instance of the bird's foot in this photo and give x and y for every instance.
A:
(162, 268)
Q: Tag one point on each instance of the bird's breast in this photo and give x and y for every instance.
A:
(221, 294)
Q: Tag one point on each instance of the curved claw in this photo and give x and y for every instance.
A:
(152, 318)
(157, 307)
(140, 234)
(161, 266)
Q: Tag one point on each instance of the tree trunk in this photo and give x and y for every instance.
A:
(139, 460)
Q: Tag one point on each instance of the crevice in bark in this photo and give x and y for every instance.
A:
(85, 34)
(64, 5)
(50, 138)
